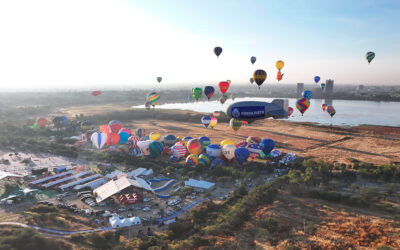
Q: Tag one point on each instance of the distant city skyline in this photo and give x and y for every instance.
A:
(93, 44)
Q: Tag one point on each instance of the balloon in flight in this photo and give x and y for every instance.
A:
(259, 77)
(217, 51)
(159, 79)
(223, 86)
(213, 122)
(209, 91)
(316, 79)
(290, 111)
(251, 80)
(323, 106)
(302, 104)
(331, 111)
(253, 59)
(279, 64)
(370, 56)
(235, 124)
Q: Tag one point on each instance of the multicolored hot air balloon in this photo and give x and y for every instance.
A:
(132, 141)
(316, 79)
(241, 155)
(98, 139)
(370, 56)
(253, 59)
(155, 148)
(251, 80)
(217, 51)
(259, 76)
(115, 126)
(206, 120)
(169, 140)
(205, 141)
(323, 106)
(213, 150)
(331, 111)
(223, 86)
(159, 79)
(254, 149)
(302, 104)
(196, 93)
(194, 146)
(235, 124)
(209, 91)
(279, 64)
(96, 92)
(290, 111)
(204, 160)
(192, 160)
(253, 139)
(213, 122)
(153, 98)
(178, 150)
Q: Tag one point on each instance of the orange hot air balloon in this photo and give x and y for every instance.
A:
(223, 86)
(112, 139)
(104, 129)
(41, 122)
(323, 106)
(279, 76)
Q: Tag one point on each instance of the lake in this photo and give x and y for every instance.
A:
(351, 113)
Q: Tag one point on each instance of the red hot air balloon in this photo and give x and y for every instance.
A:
(290, 111)
(223, 86)
(96, 93)
(279, 76)
(323, 106)
(41, 122)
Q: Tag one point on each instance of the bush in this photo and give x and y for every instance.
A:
(42, 208)
(270, 224)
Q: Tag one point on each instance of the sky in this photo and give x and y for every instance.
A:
(93, 44)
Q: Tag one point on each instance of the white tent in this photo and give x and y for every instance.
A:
(117, 222)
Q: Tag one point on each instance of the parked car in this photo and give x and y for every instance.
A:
(121, 209)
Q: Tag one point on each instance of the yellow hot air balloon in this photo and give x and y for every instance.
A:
(279, 64)
(226, 142)
(155, 136)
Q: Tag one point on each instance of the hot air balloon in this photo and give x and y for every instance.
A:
(135, 152)
(242, 144)
(144, 138)
(192, 160)
(259, 76)
(213, 150)
(323, 106)
(253, 59)
(290, 111)
(178, 150)
(226, 142)
(194, 146)
(155, 136)
(125, 130)
(217, 162)
(307, 94)
(279, 64)
(140, 132)
(323, 86)
(209, 91)
(228, 151)
(112, 139)
(331, 111)
(370, 56)
(98, 139)
(223, 86)
(196, 93)
(302, 104)
(123, 137)
(41, 122)
(223, 99)
(115, 126)
(316, 79)
(204, 160)
(153, 98)
(217, 51)
(159, 79)
(206, 120)
(235, 124)
(205, 141)
(144, 146)
(169, 140)
(213, 122)
(241, 155)
(253, 139)
(251, 80)
(155, 148)
(216, 113)
(267, 145)
(254, 149)
(132, 141)
(279, 76)
(57, 122)
(96, 92)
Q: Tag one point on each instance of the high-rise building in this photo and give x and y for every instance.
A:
(300, 89)
(329, 88)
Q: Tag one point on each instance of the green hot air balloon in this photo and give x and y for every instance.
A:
(196, 93)
(370, 56)
(159, 79)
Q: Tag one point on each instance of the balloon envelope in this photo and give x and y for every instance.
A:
(41, 122)
(155, 136)
(259, 76)
(213, 150)
(205, 141)
(251, 80)
(144, 146)
(206, 120)
(209, 91)
(140, 132)
(226, 142)
(123, 137)
(192, 160)
(290, 111)
(370, 56)
(223, 86)
(316, 79)
(267, 145)
(169, 140)
(307, 94)
(115, 126)
(235, 124)
(98, 139)
(241, 155)
(303, 104)
(159, 79)
(132, 141)
(253, 59)
(194, 146)
(155, 148)
(153, 98)
(323, 106)
(96, 92)
(228, 151)
(213, 122)
(217, 51)
(279, 64)
(178, 150)
(204, 160)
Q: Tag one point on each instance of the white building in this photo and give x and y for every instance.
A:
(117, 222)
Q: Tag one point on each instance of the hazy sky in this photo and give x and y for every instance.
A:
(90, 44)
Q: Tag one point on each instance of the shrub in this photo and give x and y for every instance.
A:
(270, 224)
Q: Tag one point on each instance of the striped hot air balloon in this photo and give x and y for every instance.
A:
(370, 56)
(156, 148)
(213, 150)
(192, 160)
(259, 76)
(169, 140)
(205, 141)
(206, 120)
(303, 104)
(204, 160)
(213, 122)
(140, 132)
(178, 150)
(153, 98)
(98, 139)
(235, 124)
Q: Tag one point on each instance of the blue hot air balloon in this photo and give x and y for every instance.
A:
(316, 79)
(213, 150)
(123, 137)
(217, 51)
(253, 59)
(217, 162)
(308, 94)
(205, 141)
(241, 155)
(169, 140)
(206, 120)
(209, 91)
(267, 145)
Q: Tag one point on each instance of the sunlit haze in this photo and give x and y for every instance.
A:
(113, 44)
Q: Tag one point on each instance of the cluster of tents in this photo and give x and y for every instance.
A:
(195, 151)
